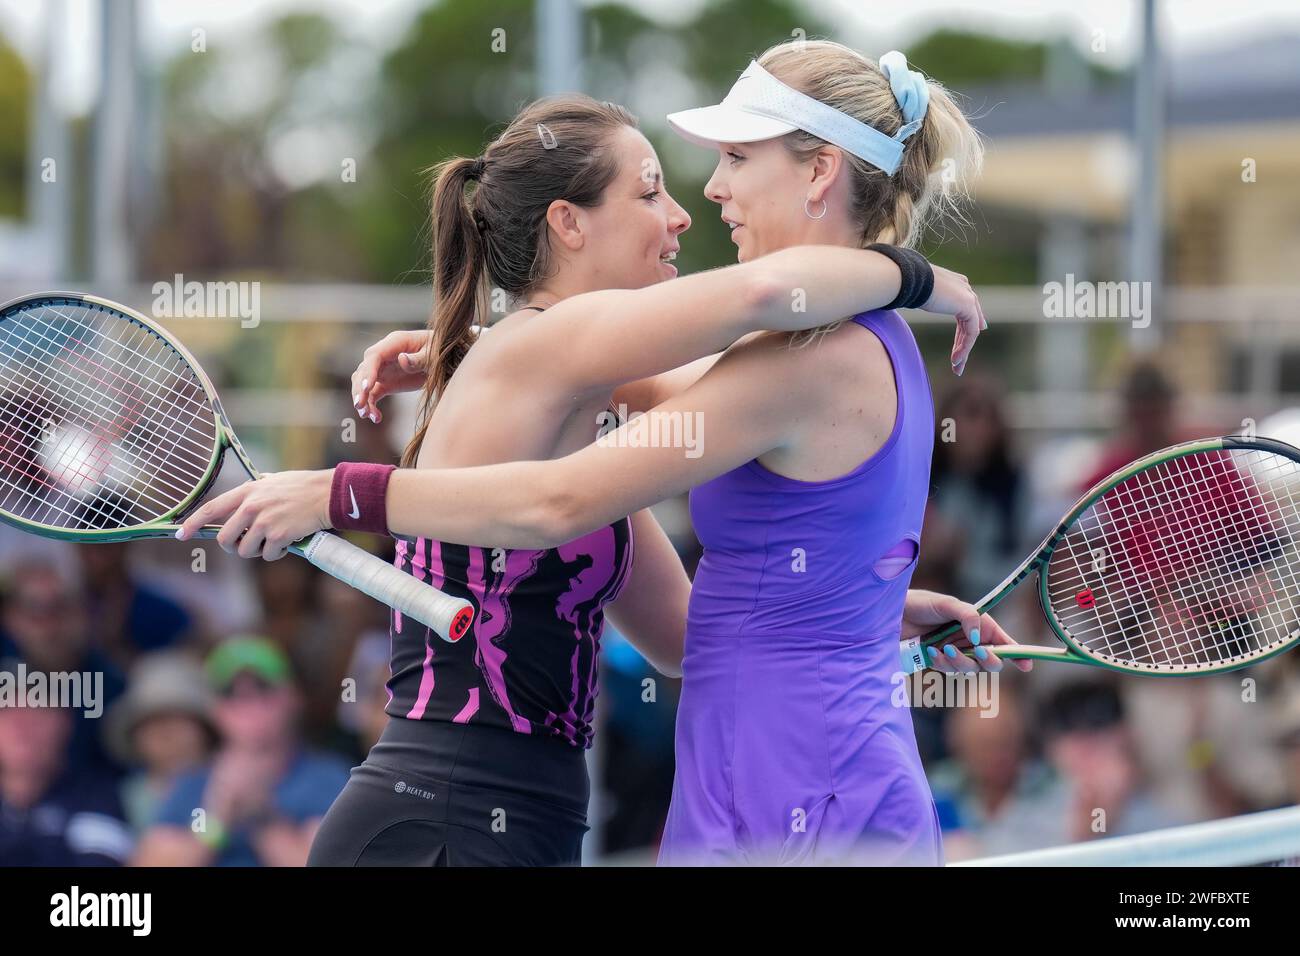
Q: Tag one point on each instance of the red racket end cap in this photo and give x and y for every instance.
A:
(460, 624)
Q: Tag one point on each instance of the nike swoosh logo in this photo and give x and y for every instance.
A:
(356, 511)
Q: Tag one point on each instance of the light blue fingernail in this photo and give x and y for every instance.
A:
(179, 532)
(934, 655)
(981, 654)
(950, 651)
(975, 636)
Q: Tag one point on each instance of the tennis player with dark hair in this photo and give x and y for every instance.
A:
(810, 487)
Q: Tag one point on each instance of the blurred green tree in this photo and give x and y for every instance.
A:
(227, 205)
(457, 74)
(462, 70)
(15, 128)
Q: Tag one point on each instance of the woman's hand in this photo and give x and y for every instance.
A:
(953, 295)
(396, 363)
(925, 610)
(262, 518)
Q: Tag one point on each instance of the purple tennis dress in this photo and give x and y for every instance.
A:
(791, 747)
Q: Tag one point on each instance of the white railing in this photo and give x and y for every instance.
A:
(1269, 837)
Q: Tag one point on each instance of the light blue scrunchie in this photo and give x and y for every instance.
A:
(910, 89)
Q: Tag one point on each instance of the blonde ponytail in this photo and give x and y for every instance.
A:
(940, 161)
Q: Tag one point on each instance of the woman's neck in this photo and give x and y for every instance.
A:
(556, 289)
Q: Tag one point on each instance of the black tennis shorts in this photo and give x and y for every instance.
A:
(433, 793)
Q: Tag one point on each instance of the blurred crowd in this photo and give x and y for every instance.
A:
(237, 694)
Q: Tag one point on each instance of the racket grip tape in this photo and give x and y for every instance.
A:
(912, 656)
(450, 617)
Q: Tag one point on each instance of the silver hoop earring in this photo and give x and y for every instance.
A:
(825, 208)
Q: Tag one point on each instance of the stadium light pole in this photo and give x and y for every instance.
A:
(49, 206)
(112, 251)
(559, 48)
(1147, 201)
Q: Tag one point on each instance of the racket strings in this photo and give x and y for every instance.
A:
(132, 412)
(166, 395)
(1168, 552)
(1191, 562)
(62, 479)
(1252, 541)
(1142, 572)
(110, 431)
(107, 429)
(115, 428)
(84, 463)
(1179, 549)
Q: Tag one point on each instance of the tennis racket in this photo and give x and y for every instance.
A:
(1184, 562)
(110, 431)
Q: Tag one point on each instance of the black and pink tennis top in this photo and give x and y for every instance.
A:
(529, 662)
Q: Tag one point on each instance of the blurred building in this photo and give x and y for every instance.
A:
(1059, 177)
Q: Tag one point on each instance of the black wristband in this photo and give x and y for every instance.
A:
(918, 276)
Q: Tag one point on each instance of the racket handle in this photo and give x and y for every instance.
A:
(450, 617)
(911, 656)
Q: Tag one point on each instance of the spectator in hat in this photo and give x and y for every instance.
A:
(162, 727)
(261, 798)
(53, 811)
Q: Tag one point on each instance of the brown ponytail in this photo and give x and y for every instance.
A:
(496, 234)
(457, 286)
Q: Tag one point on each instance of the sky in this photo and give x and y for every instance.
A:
(1190, 25)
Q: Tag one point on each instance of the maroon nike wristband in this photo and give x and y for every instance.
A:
(357, 497)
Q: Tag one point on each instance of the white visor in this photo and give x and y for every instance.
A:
(761, 107)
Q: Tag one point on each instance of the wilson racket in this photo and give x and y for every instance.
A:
(1184, 562)
(110, 431)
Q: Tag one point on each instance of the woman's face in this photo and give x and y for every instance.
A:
(761, 188)
(634, 231)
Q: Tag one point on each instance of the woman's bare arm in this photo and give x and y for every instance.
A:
(540, 504)
(651, 610)
(597, 341)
